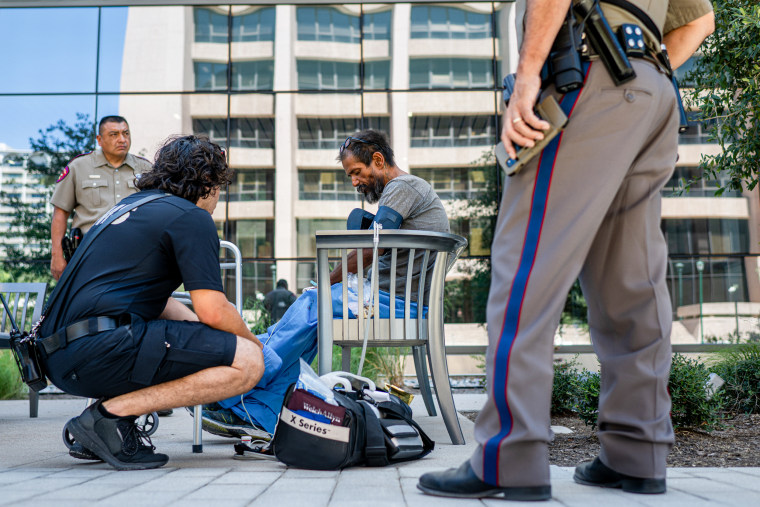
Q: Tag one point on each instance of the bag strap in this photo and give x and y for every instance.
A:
(101, 224)
(427, 444)
(374, 450)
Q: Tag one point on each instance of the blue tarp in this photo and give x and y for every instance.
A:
(292, 338)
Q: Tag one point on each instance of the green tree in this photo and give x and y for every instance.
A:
(727, 93)
(30, 260)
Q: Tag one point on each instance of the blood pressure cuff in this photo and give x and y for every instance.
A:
(360, 219)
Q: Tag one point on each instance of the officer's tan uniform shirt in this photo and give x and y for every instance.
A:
(667, 16)
(90, 186)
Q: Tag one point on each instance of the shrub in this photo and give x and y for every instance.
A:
(579, 392)
(740, 368)
(587, 388)
(691, 408)
(11, 386)
(564, 387)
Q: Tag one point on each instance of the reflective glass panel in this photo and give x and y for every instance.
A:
(49, 50)
(23, 117)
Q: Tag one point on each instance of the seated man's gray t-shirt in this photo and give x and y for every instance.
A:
(415, 200)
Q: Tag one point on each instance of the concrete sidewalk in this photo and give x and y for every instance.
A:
(35, 469)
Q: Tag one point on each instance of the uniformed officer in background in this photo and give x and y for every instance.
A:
(589, 206)
(92, 183)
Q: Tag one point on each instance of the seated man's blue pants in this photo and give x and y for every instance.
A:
(292, 338)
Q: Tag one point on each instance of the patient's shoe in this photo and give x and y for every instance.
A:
(226, 423)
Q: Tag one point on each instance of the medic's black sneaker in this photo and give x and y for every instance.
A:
(118, 442)
(596, 473)
(79, 451)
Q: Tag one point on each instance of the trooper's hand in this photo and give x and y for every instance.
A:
(57, 265)
(521, 125)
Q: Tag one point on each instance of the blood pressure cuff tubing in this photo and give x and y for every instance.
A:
(360, 219)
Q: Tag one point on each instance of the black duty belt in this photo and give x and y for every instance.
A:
(75, 331)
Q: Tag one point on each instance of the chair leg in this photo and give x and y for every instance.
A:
(345, 359)
(197, 429)
(420, 366)
(440, 372)
(34, 403)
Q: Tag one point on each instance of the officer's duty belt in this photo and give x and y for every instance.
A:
(75, 331)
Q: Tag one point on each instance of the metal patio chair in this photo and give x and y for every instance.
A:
(424, 333)
(25, 301)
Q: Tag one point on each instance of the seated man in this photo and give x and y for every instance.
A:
(114, 333)
(405, 202)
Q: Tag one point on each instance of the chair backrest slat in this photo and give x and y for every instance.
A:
(421, 292)
(408, 296)
(394, 262)
(344, 279)
(360, 290)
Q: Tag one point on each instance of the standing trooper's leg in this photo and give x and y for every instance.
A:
(630, 314)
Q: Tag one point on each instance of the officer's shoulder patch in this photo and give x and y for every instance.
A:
(63, 174)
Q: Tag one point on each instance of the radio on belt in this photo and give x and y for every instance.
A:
(631, 37)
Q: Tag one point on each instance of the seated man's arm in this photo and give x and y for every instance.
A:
(177, 311)
(213, 309)
(352, 264)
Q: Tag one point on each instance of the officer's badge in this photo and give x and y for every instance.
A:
(63, 174)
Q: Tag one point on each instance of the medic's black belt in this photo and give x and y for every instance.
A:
(75, 331)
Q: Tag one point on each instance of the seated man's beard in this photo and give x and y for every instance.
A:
(373, 191)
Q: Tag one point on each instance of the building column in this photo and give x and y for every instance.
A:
(400, 132)
(286, 142)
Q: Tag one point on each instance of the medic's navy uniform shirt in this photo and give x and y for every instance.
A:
(136, 263)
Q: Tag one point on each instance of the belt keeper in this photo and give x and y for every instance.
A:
(92, 326)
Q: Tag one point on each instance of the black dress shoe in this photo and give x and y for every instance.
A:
(463, 483)
(596, 473)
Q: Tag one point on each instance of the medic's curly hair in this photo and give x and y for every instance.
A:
(189, 167)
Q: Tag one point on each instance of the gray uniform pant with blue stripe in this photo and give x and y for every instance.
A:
(588, 208)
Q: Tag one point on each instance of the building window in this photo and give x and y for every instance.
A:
(330, 133)
(455, 182)
(210, 76)
(210, 26)
(255, 26)
(699, 129)
(244, 132)
(688, 238)
(255, 239)
(256, 75)
(252, 185)
(474, 229)
(451, 131)
(437, 22)
(324, 75)
(699, 187)
(450, 73)
(325, 185)
(213, 128)
(377, 75)
(327, 24)
(377, 26)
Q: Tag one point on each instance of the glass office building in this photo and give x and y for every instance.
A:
(281, 86)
